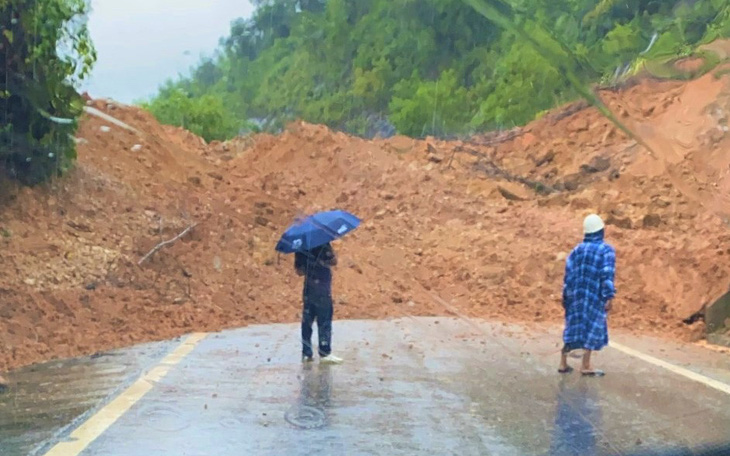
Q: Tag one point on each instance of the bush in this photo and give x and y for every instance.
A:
(205, 116)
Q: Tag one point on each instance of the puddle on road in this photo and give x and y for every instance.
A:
(164, 418)
(314, 396)
(306, 417)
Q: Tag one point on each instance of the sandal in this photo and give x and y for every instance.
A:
(593, 373)
(567, 370)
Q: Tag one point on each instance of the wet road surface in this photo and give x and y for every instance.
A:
(46, 399)
(415, 386)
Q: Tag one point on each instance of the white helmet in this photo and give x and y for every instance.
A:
(592, 224)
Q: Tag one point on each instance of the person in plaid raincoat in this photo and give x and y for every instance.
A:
(587, 293)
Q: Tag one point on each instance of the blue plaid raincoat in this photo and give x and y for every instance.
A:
(588, 286)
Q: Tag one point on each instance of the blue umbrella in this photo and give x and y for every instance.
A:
(317, 230)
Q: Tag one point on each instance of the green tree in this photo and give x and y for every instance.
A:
(439, 107)
(45, 50)
(623, 41)
(525, 83)
(435, 66)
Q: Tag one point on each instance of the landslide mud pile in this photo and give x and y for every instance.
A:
(479, 227)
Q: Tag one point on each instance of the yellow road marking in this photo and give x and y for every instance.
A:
(92, 428)
(712, 383)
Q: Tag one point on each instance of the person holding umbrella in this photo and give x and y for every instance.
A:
(310, 240)
(316, 267)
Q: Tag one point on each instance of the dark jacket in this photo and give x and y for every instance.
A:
(316, 267)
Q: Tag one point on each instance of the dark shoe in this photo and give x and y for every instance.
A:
(567, 370)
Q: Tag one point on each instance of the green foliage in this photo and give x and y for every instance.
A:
(525, 83)
(669, 44)
(437, 107)
(720, 27)
(205, 115)
(45, 50)
(431, 67)
(623, 41)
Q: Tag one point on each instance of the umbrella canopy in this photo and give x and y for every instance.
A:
(316, 230)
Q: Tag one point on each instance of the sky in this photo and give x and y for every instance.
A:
(142, 43)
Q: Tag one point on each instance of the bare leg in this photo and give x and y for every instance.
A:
(563, 361)
(586, 367)
(564, 368)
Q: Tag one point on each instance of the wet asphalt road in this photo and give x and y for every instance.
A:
(415, 386)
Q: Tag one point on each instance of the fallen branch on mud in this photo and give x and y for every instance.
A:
(166, 243)
(489, 167)
(497, 137)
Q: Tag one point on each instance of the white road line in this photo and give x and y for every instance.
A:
(92, 428)
(707, 381)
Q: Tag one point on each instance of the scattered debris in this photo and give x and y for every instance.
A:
(513, 192)
(651, 221)
(597, 165)
(166, 243)
(435, 158)
(620, 222)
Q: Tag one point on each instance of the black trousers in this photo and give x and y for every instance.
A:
(317, 307)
